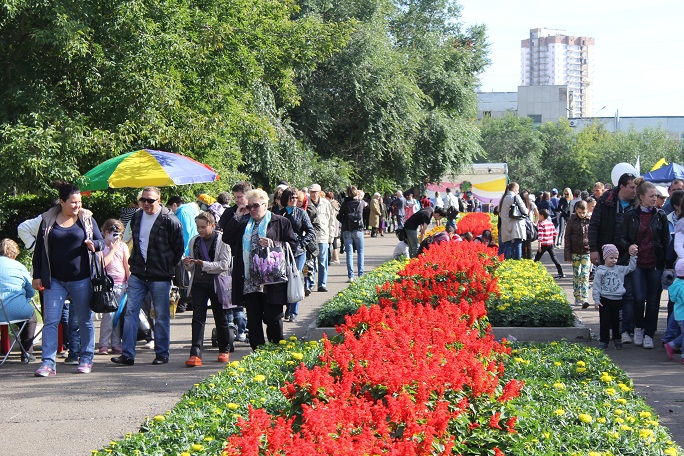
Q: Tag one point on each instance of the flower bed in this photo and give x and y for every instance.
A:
(528, 296)
(576, 401)
(361, 292)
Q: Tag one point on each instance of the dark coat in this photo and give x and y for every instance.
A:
(279, 229)
(660, 230)
(605, 224)
(164, 250)
(576, 237)
(302, 227)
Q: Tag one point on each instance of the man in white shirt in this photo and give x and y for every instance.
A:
(324, 235)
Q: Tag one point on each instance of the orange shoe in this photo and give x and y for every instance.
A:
(224, 357)
(194, 361)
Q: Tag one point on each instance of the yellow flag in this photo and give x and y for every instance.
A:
(659, 164)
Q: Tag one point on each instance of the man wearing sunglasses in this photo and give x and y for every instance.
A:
(157, 249)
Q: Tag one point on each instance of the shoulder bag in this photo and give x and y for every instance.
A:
(103, 299)
(295, 284)
(514, 212)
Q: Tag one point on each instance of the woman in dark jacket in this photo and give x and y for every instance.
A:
(647, 227)
(264, 304)
(304, 234)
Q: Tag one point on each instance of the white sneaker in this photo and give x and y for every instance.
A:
(626, 339)
(639, 337)
(648, 342)
(149, 345)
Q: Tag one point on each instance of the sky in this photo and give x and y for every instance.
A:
(638, 56)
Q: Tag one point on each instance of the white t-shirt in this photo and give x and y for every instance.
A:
(145, 227)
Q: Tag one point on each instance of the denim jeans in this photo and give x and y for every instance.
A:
(110, 334)
(627, 314)
(450, 222)
(293, 308)
(412, 241)
(79, 292)
(137, 290)
(647, 287)
(238, 317)
(673, 333)
(74, 334)
(513, 249)
(355, 238)
(321, 265)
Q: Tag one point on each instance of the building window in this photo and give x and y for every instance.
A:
(536, 118)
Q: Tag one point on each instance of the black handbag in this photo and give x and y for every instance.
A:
(514, 212)
(103, 299)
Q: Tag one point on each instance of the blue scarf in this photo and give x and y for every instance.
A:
(247, 239)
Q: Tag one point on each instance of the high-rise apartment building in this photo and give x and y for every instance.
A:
(550, 58)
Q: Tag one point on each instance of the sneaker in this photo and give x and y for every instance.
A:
(149, 345)
(585, 305)
(160, 360)
(350, 279)
(117, 349)
(639, 337)
(560, 276)
(618, 344)
(322, 289)
(84, 368)
(286, 318)
(224, 358)
(194, 361)
(669, 350)
(307, 292)
(241, 338)
(103, 351)
(626, 339)
(45, 371)
(293, 318)
(648, 342)
(603, 345)
(71, 362)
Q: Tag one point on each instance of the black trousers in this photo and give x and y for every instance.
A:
(609, 319)
(201, 293)
(552, 254)
(259, 311)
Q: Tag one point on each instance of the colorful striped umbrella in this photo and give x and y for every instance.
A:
(147, 167)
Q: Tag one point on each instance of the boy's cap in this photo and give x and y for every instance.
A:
(610, 249)
(554, 191)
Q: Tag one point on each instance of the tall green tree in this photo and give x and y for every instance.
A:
(514, 140)
(84, 81)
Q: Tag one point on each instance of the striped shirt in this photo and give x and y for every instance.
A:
(546, 232)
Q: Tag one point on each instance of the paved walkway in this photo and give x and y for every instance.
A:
(72, 414)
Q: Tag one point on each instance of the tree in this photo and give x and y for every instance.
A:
(514, 140)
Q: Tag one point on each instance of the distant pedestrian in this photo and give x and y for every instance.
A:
(547, 232)
(576, 249)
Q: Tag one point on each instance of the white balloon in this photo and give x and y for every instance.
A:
(619, 170)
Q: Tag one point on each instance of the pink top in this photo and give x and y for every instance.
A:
(115, 268)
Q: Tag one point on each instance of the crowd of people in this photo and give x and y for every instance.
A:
(629, 239)
(205, 249)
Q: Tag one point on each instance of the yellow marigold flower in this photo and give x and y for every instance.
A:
(559, 385)
(559, 412)
(621, 401)
(557, 363)
(159, 418)
(518, 360)
(610, 391)
(646, 434)
(547, 435)
(241, 369)
(232, 406)
(644, 415)
(624, 388)
(196, 447)
(581, 370)
(624, 427)
(652, 422)
(185, 453)
(619, 411)
(234, 363)
(671, 451)
(293, 338)
(585, 418)
(594, 453)
(298, 356)
(601, 420)
(581, 363)
(259, 378)
(606, 378)
(613, 435)
(619, 420)
(282, 342)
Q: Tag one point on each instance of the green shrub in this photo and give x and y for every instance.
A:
(529, 296)
(362, 292)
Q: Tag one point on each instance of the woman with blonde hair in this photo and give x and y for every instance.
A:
(16, 292)
(264, 304)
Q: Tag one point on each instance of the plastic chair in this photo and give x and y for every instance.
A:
(5, 321)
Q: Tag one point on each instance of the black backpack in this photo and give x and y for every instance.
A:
(452, 212)
(355, 219)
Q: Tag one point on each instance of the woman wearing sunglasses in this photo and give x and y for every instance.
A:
(264, 304)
